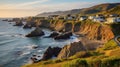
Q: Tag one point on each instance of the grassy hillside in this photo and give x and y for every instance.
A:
(115, 10)
(101, 57)
(99, 8)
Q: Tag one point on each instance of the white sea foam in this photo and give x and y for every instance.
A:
(39, 51)
(30, 46)
(25, 53)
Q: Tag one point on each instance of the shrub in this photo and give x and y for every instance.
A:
(76, 63)
(81, 54)
(111, 62)
(110, 45)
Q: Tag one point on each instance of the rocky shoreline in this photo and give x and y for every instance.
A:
(90, 34)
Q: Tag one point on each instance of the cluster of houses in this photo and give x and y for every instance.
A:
(96, 18)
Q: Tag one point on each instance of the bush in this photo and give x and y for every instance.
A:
(81, 54)
(111, 62)
(76, 63)
(110, 45)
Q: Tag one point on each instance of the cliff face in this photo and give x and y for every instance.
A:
(97, 31)
(71, 49)
(92, 30)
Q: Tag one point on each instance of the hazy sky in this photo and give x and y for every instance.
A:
(21, 8)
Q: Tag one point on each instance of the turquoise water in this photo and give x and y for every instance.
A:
(16, 50)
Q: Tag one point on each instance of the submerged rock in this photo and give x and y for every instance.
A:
(64, 36)
(71, 49)
(50, 52)
(35, 33)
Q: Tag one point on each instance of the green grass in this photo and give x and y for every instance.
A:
(110, 45)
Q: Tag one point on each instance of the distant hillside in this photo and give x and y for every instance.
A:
(99, 8)
(75, 11)
(110, 7)
(115, 10)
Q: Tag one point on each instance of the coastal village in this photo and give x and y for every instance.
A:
(108, 19)
(112, 18)
(97, 43)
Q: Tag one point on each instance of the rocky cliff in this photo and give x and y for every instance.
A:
(92, 30)
(71, 49)
(96, 31)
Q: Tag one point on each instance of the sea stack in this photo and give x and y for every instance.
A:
(18, 23)
(35, 33)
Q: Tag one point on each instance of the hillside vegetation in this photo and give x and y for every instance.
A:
(115, 10)
(101, 57)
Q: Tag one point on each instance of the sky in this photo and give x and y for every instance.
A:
(23, 8)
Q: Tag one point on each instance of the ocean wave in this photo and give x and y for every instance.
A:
(31, 46)
(25, 53)
(8, 41)
(3, 33)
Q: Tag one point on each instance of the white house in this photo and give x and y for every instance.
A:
(113, 20)
(91, 17)
(81, 18)
(70, 17)
(53, 17)
(99, 19)
(113, 15)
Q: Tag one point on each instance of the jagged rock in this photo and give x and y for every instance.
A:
(68, 27)
(18, 23)
(36, 32)
(97, 31)
(50, 52)
(71, 49)
(44, 23)
(27, 26)
(54, 34)
(63, 36)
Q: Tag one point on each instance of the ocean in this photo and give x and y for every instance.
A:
(16, 49)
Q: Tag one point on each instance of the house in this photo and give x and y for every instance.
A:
(81, 18)
(91, 17)
(113, 15)
(70, 17)
(53, 17)
(99, 15)
(113, 20)
(99, 19)
(61, 18)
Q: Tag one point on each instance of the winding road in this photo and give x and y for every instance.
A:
(116, 40)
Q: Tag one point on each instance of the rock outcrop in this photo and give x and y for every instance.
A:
(64, 36)
(71, 49)
(35, 33)
(92, 30)
(44, 23)
(58, 26)
(51, 52)
(76, 27)
(91, 44)
(54, 34)
(96, 31)
(18, 23)
(27, 26)
(68, 27)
